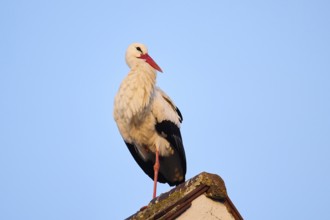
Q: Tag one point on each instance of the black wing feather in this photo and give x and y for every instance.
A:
(171, 132)
(179, 114)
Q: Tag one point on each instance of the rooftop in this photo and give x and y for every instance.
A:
(204, 194)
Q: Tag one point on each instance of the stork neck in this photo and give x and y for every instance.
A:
(140, 90)
(144, 76)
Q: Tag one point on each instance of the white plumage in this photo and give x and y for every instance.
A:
(148, 120)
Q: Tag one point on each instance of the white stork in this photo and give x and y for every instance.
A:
(149, 121)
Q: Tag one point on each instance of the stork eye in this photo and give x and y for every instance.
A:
(139, 49)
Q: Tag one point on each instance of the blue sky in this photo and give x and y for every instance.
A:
(252, 79)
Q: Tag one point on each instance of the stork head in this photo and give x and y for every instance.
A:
(138, 53)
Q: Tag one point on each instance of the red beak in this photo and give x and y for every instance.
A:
(150, 61)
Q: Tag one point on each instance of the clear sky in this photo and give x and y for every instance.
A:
(251, 78)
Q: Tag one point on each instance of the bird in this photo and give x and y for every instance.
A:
(149, 121)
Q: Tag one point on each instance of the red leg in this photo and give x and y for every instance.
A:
(156, 169)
